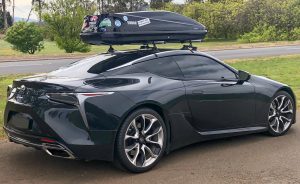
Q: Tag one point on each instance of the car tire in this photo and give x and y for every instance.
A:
(141, 141)
(282, 114)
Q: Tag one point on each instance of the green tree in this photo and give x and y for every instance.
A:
(219, 18)
(111, 6)
(4, 14)
(64, 19)
(229, 19)
(257, 15)
(25, 37)
(159, 4)
(8, 18)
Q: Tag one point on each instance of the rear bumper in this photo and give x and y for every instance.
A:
(54, 149)
(72, 139)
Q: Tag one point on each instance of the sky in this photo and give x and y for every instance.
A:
(22, 8)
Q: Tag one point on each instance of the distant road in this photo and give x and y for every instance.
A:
(41, 66)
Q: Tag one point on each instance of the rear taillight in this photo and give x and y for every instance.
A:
(10, 91)
(47, 140)
(96, 94)
(67, 98)
(73, 98)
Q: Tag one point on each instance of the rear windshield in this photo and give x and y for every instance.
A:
(96, 65)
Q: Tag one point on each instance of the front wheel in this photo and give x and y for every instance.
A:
(281, 113)
(141, 141)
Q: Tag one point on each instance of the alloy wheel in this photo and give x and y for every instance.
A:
(281, 114)
(144, 140)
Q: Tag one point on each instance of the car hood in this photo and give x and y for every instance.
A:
(268, 81)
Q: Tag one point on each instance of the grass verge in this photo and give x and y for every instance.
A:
(284, 69)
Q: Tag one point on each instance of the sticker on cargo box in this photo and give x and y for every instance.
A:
(143, 22)
(131, 22)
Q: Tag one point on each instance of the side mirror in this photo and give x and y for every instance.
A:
(243, 76)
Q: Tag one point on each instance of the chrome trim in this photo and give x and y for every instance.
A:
(48, 147)
(230, 131)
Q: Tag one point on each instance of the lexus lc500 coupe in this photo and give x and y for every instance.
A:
(132, 107)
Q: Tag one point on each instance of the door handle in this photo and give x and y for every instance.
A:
(195, 92)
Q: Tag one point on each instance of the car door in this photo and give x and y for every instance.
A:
(216, 100)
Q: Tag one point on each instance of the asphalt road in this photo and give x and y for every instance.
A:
(41, 66)
(255, 158)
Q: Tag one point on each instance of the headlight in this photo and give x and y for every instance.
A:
(73, 98)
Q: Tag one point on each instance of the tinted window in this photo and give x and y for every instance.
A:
(162, 67)
(81, 67)
(200, 67)
(99, 64)
(113, 62)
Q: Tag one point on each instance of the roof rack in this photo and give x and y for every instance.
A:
(155, 48)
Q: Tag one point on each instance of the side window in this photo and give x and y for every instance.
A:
(203, 68)
(165, 66)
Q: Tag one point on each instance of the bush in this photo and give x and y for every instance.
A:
(64, 19)
(25, 37)
(260, 34)
(295, 34)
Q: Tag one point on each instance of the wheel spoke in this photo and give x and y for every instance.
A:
(143, 124)
(287, 119)
(135, 127)
(273, 123)
(143, 155)
(281, 102)
(150, 151)
(136, 155)
(152, 121)
(272, 107)
(286, 105)
(132, 148)
(272, 115)
(287, 112)
(155, 133)
(158, 142)
(277, 125)
(276, 102)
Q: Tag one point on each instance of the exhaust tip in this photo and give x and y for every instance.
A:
(58, 151)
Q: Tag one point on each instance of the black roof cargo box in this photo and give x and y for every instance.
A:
(140, 27)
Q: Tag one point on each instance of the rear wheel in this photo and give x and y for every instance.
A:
(141, 141)
(281, 113)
